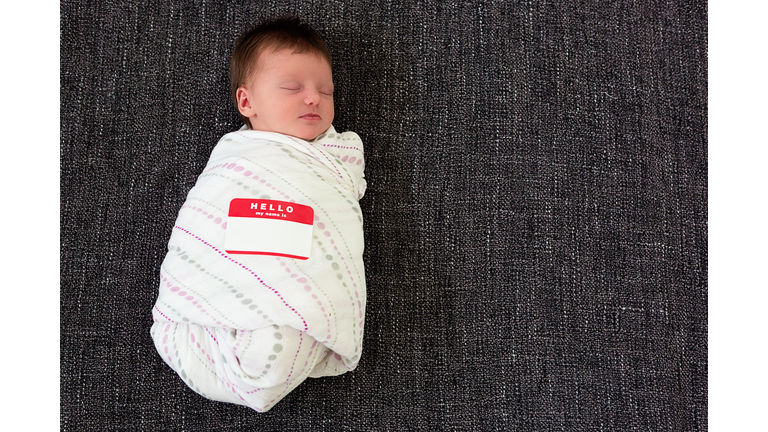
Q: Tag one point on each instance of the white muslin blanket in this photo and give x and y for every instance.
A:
(248, 329)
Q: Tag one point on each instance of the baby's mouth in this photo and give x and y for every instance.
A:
(310, 116)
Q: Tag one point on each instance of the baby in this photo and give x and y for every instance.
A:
(263, 284)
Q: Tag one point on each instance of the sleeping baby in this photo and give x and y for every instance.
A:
(263, 284)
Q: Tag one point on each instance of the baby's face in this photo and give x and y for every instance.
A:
(291, 93)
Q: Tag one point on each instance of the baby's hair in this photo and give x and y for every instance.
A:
(276, 34)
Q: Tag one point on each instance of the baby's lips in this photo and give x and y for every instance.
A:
(310, 116)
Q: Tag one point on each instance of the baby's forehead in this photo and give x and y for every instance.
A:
(276, 51)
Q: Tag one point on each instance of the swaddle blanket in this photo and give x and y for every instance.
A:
(248, 329)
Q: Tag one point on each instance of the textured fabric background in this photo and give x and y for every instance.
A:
(535, 221)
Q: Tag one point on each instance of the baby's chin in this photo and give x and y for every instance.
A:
(306, 136)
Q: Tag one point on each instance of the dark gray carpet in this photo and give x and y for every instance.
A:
(536, 217)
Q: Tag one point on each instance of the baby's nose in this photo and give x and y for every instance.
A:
(312, 97)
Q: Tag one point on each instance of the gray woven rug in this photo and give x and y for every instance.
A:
(535, 221)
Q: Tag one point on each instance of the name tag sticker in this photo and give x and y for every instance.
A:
(269, 227)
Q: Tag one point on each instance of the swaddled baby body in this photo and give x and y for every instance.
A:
(248, 328)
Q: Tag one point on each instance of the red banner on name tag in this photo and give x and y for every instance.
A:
(271, 209)
(269, 227)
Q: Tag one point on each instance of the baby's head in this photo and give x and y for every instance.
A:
(281, 79)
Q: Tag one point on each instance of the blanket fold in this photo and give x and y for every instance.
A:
(247, 329)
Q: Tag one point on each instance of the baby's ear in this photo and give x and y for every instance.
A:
(244, 104)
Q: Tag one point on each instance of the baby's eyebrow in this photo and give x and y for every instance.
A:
(293, 81)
